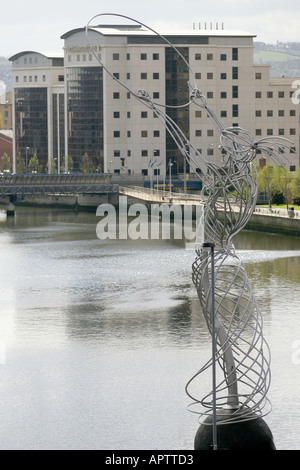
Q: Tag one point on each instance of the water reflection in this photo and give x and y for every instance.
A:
(93, 323)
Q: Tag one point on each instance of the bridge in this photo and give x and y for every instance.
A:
(20, 186)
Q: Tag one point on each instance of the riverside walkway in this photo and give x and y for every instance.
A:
(155, 195)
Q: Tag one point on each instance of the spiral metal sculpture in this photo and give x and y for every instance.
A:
(229, 196)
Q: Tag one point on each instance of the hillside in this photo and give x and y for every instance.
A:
(284, 58)
(5, 73)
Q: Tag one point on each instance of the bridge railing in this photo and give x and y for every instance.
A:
(56, 179)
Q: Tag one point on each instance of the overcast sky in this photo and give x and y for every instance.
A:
(37, 25)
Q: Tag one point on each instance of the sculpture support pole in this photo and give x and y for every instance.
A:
(213, 325)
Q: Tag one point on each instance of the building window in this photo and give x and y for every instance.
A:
(223, 114)
(292, 112)
(210, 152)
(258, 94)
(270, 94)
(235, 110)
(269, 131)
(223, 95)
(116, 95)
(144, 134)
(210, 57)
(155, 56)
(258, 113)
(281, 94)
(210, 94)
(280, 131)
(235, 53)
(292, 131)
(210, 133)
(127, 56)
(235, 73)
(128, 153)
(116, 75)
(143, 76)
(116, 56)
(156, 133)
(128, 134)
(197, 56)
(117, 153)
(156, 95)
(116, 134)
(144, 114)
(143, 56)
(144, 153)
(293, 168)
(223, 76)
(128, 114)
(281, 113)
(235, 92)
(156, 76)
(258, 132)
(116, 115)
(198, 133)
(210, 76)
(198, 76)
(223, 57)
(198, 114)
(270, 113)
(258, 76)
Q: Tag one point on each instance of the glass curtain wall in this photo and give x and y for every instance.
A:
(59, 128)
(85, 116)
(177, 93)
(31, 128)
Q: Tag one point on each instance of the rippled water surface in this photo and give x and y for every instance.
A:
(98, 338)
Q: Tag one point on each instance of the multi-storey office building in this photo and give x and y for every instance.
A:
(104, 119)
(120, 134)
(38, 106)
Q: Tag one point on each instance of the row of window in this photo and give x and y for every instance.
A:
(223, 113)
(210, 132)
(198, 56)
(35, 79)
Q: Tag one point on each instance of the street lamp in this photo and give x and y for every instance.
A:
(27, 148)
(170, 178)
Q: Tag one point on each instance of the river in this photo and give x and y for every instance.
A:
(98, 338)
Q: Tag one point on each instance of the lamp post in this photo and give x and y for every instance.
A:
(170, 178)
(27, 148)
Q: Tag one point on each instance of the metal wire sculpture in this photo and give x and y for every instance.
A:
(229, 195)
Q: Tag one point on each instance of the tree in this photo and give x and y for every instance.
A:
(266, 183)
(295, 185)
(70, 164)
(282, 181)
(53, 166)
(20, 164)
(86, 164)
(34, 165)
(5, 163)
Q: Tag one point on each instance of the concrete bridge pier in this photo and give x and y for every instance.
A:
(10, 207)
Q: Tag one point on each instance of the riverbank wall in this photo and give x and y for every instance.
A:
(264, 219)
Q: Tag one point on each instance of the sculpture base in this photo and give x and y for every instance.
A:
(246, 435)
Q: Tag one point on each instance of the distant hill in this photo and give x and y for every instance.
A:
(284, 58)
(5, 73)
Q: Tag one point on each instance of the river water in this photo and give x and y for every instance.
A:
(99, 338)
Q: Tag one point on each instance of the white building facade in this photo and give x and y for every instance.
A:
(38, 107)
(120, 134)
